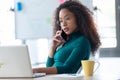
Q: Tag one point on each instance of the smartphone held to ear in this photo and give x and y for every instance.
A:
(64, 35)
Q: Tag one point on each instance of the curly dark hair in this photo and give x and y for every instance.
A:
(85, 22)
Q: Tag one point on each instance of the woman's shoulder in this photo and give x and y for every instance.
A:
(83, 40)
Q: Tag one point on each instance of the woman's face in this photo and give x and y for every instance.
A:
(67, 21)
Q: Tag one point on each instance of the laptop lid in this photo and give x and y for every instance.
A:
(15, 61)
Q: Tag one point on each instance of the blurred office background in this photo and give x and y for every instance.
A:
(13, 28)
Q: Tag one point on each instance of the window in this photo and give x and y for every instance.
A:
(106, 21)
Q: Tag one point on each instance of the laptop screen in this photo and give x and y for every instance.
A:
(15, 61)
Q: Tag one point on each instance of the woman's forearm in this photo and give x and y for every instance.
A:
(49, 70)
(51, 52)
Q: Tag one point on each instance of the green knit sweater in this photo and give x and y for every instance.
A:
(67, 59)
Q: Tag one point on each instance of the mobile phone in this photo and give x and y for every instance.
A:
(64, 35)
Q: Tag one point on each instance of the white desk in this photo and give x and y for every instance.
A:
(109, 70)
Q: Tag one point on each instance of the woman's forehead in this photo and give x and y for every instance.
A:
(64, 13)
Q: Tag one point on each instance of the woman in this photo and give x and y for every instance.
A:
(82, 39)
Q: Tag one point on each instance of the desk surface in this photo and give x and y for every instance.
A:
(109, 70)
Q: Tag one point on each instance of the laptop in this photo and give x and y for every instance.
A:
(15, 62)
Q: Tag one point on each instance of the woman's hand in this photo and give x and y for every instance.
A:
(56, 41)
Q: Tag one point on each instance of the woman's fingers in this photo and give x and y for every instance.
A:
(58, 35)
(57, 39)
(58, 32)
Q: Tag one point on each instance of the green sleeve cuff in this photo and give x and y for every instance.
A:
(49, 62)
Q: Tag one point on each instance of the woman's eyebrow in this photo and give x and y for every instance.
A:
(65, 16)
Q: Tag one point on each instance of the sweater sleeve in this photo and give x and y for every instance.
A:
(50, 62)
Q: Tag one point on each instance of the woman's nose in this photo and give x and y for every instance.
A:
(64, 23)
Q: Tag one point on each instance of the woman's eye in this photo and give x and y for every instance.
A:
(67, 18)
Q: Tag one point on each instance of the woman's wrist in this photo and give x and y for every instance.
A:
(52, 51)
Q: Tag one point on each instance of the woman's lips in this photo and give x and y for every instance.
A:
(65, 29)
